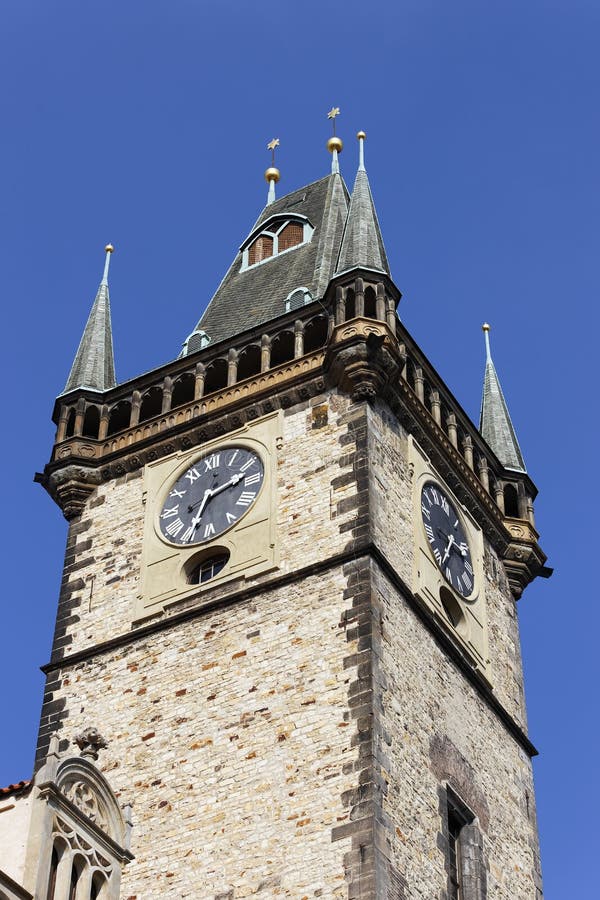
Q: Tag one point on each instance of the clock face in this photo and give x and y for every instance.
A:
(447, 538)
(211, 496)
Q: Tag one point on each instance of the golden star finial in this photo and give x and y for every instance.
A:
(332, 114)
(271, 146)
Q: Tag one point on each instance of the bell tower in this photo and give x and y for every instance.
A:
(287, 626)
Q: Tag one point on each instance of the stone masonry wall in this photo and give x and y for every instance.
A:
(102, 566)
(433, 728)
(392, 518)
(294, 742)
(231, 735)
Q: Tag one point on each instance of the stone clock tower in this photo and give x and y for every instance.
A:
(286, 646)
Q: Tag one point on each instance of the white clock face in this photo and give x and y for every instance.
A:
(447, 538)
(211, 496)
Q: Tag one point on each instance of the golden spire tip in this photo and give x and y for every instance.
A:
(485, 327)
(361, 134)
(109, 248)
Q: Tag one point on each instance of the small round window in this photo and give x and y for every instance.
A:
(207, 568)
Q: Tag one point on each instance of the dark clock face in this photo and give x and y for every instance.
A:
(447, 538)
(211, 496)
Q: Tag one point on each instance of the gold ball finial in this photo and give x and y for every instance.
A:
(272, 174)
(335, 143)
(485, 327)
(109, 248)
(361, 135)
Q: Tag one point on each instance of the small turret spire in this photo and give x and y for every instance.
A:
(272, 175)
(334, 144)
(94, 366)
(495, 423)
(362, 244)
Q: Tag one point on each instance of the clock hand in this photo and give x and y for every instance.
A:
(223, 487)
(196, 520)
(211, 492)
(448, 548)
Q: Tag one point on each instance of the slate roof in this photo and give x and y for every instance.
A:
(362, 244)
(247, 298)
(94, 365)
(495, 423)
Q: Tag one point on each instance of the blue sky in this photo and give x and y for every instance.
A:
(145, 123)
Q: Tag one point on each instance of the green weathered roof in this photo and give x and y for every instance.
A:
(362, 244)
(247, 298)
(94, 365)
(495, 423)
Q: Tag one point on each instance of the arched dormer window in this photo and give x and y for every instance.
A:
(197, 340)
(297, 298)
(277, 235)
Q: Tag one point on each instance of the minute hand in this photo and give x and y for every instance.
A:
(223, 487)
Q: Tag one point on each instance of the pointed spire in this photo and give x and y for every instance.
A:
(94, 365)
(362, 244)
(272, 175)
(495, 424)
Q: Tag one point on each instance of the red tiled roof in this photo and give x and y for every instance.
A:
(14, 788)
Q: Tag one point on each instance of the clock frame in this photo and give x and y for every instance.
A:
(462, 615)
(249, 543)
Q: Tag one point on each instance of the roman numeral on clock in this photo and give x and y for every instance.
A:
(252, 479)
(174, 527)
(246, 498)
(212, 462)
(168, 513)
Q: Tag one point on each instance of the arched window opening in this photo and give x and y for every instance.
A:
(54, 860)
(410, 376)
(282, 348)
(76, 871)
(291, 235)
(70, 429)
(261, 248)
(370, 303)
(511, 501)
(248, 362)
(428, 394)
(119, 417)
(216, 376)
(183, 390)
(350, 305)
(151, 404)
(315, 334)
(96, 891)
(91, 422)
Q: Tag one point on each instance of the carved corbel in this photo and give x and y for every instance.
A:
(70, 487)
(523, 557)
(362, 357)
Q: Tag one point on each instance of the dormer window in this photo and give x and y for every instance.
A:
(298, 298)
(261, 248)
(274, 237)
